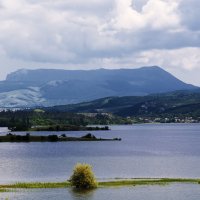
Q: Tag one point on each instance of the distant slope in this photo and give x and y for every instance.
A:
(28, 97)
(181, 102)
(56, 87)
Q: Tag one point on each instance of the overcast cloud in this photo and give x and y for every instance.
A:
(89, 34)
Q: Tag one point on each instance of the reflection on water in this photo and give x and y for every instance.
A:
(81, 194)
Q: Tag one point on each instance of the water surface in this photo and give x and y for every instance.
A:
(150, 150)
(169, 192)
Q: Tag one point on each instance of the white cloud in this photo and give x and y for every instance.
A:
(162, 14)
(95, 33)
(159, 14)
(125, 17)
(185, 58)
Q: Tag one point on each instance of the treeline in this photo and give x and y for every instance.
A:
(25, 120)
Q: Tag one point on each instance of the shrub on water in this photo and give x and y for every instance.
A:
(83, 177)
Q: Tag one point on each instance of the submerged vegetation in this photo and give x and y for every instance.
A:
(114, 183)
(4, 190)
(147, 181)
(39, 185)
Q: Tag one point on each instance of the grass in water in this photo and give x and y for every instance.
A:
(4, 190)
(37, 185)
(115, 183)
(135, 182)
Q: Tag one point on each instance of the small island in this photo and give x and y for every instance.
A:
(50, 138)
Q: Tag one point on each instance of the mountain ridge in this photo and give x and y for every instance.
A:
(54, 87)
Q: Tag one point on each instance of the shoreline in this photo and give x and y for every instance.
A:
(101, 184)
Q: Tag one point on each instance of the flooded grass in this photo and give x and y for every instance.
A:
(114, 183)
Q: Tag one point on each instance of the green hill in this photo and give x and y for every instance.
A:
(178, 103)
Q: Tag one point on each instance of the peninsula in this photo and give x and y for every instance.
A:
(50, 138)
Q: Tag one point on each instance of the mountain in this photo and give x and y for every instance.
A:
(173, 103)
(47, 87)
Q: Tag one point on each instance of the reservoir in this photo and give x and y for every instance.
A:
(146, 150)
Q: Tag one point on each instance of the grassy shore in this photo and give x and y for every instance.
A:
(114, 183)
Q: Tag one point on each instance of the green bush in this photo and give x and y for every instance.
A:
(83, 177)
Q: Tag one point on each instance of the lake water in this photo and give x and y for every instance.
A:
(169, 192)
(150, 150)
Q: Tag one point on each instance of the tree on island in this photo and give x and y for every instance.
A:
(83, 177)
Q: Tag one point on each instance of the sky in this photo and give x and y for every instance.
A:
(91, 34)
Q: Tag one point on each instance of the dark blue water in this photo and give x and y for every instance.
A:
(151, 150)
